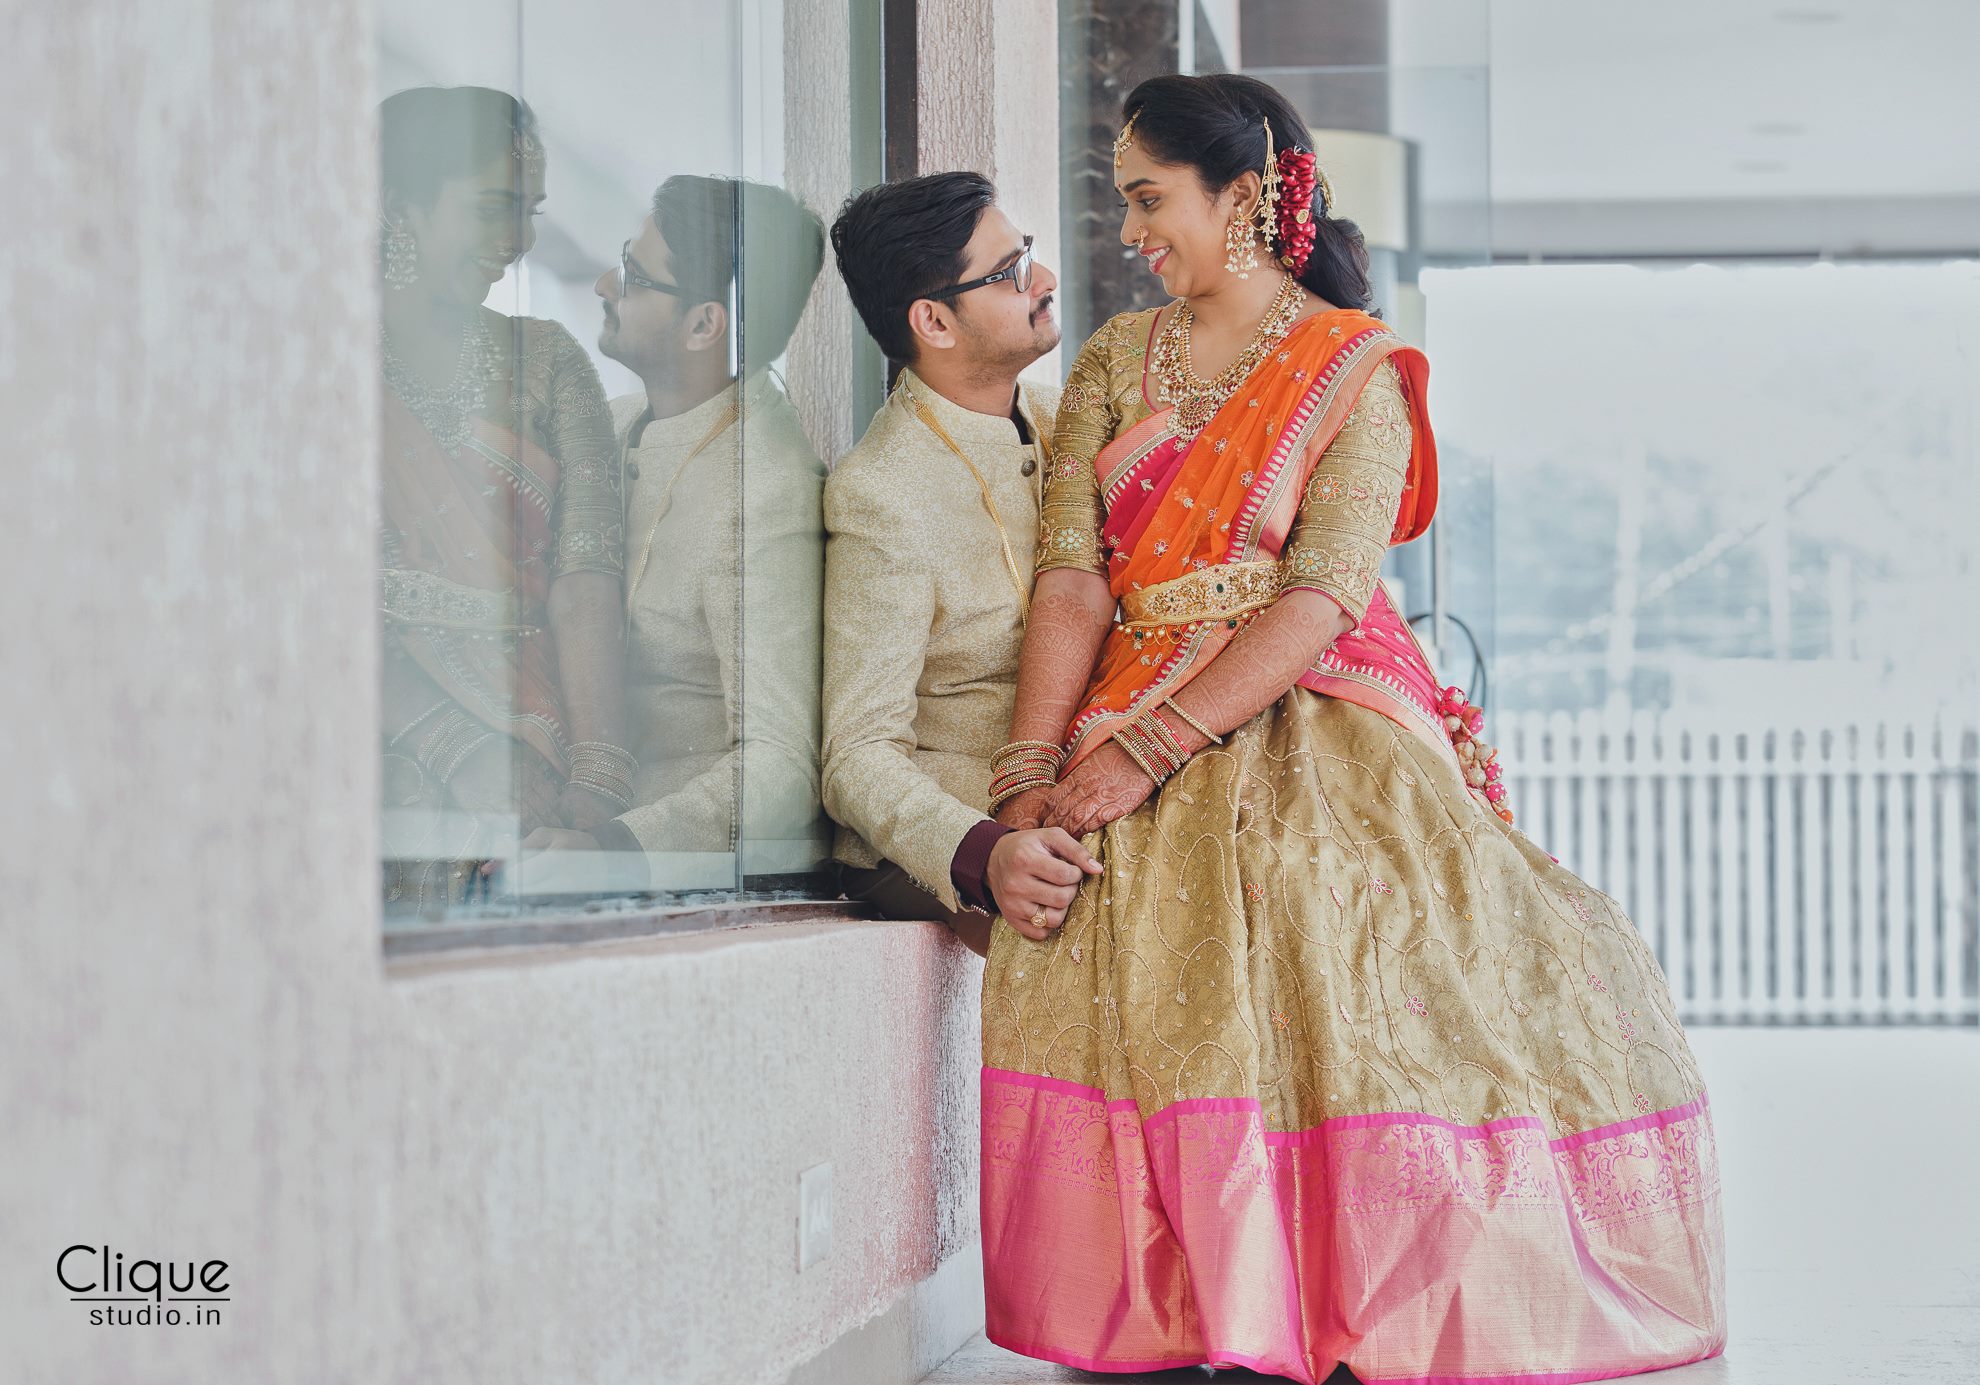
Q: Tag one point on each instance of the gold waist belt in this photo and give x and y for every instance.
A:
(414, 597)
(1214, 593)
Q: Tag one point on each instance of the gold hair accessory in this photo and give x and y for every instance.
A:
(527, 150)
(1124, 139)
(1266, 213)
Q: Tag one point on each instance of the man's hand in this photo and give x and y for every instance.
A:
(1033, 877)
(1104, 787)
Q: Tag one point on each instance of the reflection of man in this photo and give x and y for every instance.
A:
(724, 543)
(934, 520)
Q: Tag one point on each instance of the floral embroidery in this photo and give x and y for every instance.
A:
(1386, 423)
(1381, 886)
(1416, 1006)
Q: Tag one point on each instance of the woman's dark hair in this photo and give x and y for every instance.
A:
(901, 241)
(427, 135)
(712, 225)
(1215, 124)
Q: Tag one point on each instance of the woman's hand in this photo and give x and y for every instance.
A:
(584, 809)
(1025, 811)
(485, 782)
(1105, 787)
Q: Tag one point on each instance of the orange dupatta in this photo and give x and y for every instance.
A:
(1194, 527)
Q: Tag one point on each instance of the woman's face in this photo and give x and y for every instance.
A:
(477, 226)
(1177, 227)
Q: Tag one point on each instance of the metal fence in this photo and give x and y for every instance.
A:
(1783, 873)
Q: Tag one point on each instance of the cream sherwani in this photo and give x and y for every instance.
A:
(923, 624)
(724, 563)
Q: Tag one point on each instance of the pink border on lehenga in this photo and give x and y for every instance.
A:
(1412, 1248)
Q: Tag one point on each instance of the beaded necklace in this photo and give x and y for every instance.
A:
(1196, 401)
(446, 413)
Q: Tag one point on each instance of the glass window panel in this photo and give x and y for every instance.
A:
(612, 368)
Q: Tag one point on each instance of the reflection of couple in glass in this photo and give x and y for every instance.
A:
(511, 644)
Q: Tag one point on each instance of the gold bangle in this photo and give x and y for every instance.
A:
(1165, 738)
(1191, 722)
(1004, 795)
(1132, 739)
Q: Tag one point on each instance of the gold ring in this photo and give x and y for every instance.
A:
(1038, 919)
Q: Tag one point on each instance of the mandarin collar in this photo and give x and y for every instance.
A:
(967, 425)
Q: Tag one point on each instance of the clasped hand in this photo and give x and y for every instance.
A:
(1035, 871)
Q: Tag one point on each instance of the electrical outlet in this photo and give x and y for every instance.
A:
(814, 1215)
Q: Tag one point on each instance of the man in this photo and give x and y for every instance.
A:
(724, 545)
(933, 524)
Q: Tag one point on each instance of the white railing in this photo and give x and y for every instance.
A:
(1783, 873)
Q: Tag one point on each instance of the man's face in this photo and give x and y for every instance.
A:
(996, 327)
(644, 328)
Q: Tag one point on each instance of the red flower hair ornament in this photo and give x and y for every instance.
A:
(1298, 174)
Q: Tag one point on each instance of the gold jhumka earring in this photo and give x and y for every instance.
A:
(1240, 247)
(401, 255)
(1243, 233)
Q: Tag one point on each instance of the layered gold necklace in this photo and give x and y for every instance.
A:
(1196, 401)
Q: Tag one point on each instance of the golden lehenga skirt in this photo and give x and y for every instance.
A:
(1332, 1065)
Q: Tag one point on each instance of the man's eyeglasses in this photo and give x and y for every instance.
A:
(629, 276)
(1018, 272)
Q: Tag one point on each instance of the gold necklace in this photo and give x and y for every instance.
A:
(1003, 535)
(722, 424)
(1196, 401)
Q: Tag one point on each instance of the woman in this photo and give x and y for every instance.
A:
(502, 542)
(1330, 1065)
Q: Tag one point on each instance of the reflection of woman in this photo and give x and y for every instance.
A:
(502, 544)
(1330, 1065)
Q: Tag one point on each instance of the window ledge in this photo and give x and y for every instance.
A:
(565, 930)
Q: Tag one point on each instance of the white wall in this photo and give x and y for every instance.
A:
(572, 1165)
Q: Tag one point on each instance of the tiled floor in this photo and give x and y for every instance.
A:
(1851, 1161)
